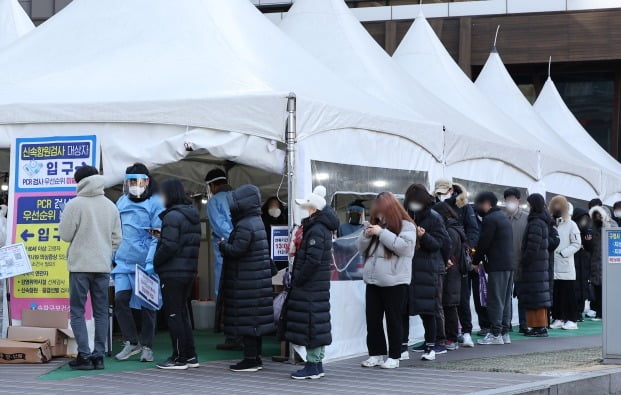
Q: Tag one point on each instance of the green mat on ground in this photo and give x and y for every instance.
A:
(585, 328)
(205, 342)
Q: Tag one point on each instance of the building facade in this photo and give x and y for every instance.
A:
(583, 37)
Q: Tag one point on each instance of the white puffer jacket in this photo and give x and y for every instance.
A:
(569, 234)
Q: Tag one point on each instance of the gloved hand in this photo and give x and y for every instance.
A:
(149, 268)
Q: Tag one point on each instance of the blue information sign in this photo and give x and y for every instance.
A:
(614, 246)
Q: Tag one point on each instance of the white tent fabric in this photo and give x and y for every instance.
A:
(329, 31)
(498, 86)
(14, 22)
(196, 64)
(424, 57)
(553, 110)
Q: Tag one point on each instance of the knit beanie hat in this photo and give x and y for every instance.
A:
(317, 199)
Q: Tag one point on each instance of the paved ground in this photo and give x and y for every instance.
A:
(344, 377)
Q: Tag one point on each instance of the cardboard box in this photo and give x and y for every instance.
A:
(39, 325)
(45, 319)
(58, 338)
(12, 351)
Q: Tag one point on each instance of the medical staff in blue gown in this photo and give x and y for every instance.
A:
(355, 219)
(140, 208)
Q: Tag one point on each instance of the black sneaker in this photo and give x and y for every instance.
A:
(420, 347)
(483, 332)
(172, 364)
(247, 365)
(193, 362)
(81, 363)
(537, 332)
(439, 349)
(523, 329)
(98, 363)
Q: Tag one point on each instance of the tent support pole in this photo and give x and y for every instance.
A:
(291, 139)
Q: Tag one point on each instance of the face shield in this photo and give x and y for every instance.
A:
(355, 215)
(208, 193)
(135, 185)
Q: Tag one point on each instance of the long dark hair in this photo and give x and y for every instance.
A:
(393, 214)
(418, 193)
(174, 192)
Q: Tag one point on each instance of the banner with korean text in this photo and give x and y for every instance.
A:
(42, 182)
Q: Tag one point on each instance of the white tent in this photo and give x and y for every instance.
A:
(150, 76)
(553, 110)
(498, 86)
(422, 54)
(329, 30)
(14, 22)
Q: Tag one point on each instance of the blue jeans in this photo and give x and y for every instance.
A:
(217, 266)
(79, 285)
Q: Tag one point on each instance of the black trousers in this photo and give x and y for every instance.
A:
(386, 302)
(564, 307)
(597, 303)
(465, 314)
(253, 346)
(451, 322)
(125, 319)
(441, 334)
(175, 293)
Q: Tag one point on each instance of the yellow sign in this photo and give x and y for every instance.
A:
(48, 256)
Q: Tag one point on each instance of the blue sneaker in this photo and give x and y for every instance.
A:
(320, 369)
(439, 349)
(310, 371)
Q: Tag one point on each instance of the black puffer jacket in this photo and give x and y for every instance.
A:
(582, 260)
(177, 250)
(428, 263)
(307, 320)
(451, 295)
(246, 285)
(554, 239)
(534, 291)
(496, 242)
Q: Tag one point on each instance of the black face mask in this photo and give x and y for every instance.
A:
(557, 213)
(480, 211)
(354, 218)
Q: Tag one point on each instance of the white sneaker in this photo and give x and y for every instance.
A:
(490, 339)
(570, 325)
(467, 340)
(373, 362)
(556, 324)
(390, 364)
(506, 338)
(591, 313)
(404, 356)
(429, 355)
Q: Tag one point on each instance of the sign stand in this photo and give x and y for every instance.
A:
(611, 294)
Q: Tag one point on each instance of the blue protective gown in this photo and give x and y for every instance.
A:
(219, 215)
(138, 246)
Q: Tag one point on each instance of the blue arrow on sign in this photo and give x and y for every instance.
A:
(25, 235)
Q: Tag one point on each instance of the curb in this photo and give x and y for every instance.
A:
(593, 383)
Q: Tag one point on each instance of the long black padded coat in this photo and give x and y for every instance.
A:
(246, 284)
(428, 263)
(534, 291)
(177, 249)
(451, 295)
(307, 317)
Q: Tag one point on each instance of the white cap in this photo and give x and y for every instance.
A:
(317, 199)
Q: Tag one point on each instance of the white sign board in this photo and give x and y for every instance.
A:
(147, 288)
(280, 243)
(14, 261)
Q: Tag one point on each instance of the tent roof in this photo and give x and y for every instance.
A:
(423, 55)
(553, 110)
(14, 22)
(329, 30)
(497, 85)
(202, 63)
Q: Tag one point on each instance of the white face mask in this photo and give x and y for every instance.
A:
(479, 218)
(444, 197)
(274, 212)
(618, 213)
(584, 223)
(415, 207)
(162, 200)
(136, 190)
(511, 206)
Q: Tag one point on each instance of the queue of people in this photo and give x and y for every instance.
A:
(426, 256)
